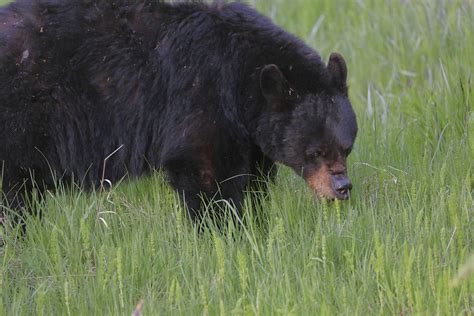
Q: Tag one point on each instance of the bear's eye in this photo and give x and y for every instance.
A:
(320, 153)
(313, 154)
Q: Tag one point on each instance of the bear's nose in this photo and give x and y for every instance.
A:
(342, 186)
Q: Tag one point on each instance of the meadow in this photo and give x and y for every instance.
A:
(402, 245)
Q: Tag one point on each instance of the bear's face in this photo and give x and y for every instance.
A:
(317, 141)
(313, 133)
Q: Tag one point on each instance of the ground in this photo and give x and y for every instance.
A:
(392, 249)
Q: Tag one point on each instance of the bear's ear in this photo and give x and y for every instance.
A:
(338, 70)
(275, 88)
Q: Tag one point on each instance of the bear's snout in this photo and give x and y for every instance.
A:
(342, 186)
(328, 185)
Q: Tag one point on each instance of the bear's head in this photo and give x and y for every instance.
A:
(311, 131)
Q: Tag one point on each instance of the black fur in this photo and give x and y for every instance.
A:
(180, 87)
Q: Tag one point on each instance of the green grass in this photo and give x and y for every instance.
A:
(395, 248)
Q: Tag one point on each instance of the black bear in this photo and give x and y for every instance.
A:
(213, 94)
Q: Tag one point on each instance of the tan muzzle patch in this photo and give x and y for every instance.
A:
(320, 182)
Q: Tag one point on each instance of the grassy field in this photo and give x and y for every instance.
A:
(395, 248)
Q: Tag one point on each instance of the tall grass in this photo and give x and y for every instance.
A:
(395, 248)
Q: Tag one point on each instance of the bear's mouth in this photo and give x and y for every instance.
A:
(342, 194)
(335, 195)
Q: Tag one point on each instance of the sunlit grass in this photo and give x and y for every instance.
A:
(401, 245)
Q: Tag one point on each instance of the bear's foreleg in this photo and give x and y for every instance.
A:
(203, 187)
